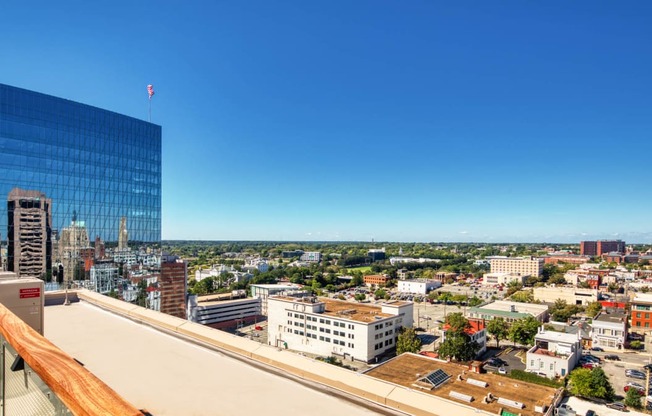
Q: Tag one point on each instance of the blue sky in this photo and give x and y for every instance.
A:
(340, 120)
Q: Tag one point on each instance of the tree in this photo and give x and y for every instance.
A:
(524, 330)
(458, 344)
(593, 308)
(408, 341)
(561, 311)
(590, 383)
(633, 398)
(499, 329)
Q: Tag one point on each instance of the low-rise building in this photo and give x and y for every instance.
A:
(509, 311)
(420, 286)
(503, 278)
(609, 330)
(477, 332)
(311, 256)
(571, 295)
(327, 327)
(376, 279)
(554, 353)
(224, 310)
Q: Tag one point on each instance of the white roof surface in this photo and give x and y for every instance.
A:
(169, 376)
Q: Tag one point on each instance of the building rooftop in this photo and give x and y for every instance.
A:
(611, 316)
(406, 369)
(555, 336)
(171, 376)
(642, 298)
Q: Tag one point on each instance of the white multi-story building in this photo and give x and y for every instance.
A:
(571, 295)
(256, 263)
(264, 291)
(420, 286)
(103, 278)
(225, 309)
(526, 266)
(609, 330)
(125, 256)
(554, 353)
(311, 256)
(503, 278)
(329, 327)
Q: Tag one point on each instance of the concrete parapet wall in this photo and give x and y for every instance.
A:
(360, 386)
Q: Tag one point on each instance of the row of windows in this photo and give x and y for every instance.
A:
(321, 320)
(638, 324)
(541, 364)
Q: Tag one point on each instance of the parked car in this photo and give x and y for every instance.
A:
(502, 370)
(612, 357)
(648, 367)
(597, 349)
(635, 337)
(590, 413)
(617, 406)
(590, 366)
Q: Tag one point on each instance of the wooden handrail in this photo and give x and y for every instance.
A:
(79, 389)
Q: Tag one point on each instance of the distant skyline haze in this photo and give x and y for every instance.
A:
(337, 121)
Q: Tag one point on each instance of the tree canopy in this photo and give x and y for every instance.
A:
(590, 383)
(499, 329)
(408, 341)
(457, 344)
(523, 330)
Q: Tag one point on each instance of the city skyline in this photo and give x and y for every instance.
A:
(341, 122)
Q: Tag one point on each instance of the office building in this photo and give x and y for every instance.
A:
(29, 233)
(526, 266)
(598, 248)
(228, 310)
(376, 254)
(325, 326)
(173, 286)
(376, 280)
(97, 163)
(554, 353)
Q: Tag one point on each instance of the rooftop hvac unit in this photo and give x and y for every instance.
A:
(25, 298)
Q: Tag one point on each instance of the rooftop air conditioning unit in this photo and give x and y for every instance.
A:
(24, 297)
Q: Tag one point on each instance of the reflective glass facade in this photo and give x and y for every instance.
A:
(90, 162)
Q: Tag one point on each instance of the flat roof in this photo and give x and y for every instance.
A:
(360, 312)
(555, 336)
(406, 369)
(169, 376)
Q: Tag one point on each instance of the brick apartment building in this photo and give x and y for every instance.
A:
(173, 285)
(641, 314)
(598, 248)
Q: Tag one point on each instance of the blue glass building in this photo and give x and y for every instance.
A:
(92, 163)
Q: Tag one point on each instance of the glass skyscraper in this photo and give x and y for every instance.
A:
(95, 166)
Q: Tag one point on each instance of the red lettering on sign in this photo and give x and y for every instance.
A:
(32, 292)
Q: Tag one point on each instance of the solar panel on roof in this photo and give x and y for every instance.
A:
(436, 378)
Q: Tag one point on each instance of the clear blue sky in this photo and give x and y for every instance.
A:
(341, 120)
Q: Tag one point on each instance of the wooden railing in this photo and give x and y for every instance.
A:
(76, 387)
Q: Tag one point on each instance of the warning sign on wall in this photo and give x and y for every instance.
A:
(32, 292)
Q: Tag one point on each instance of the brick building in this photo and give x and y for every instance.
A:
(173, 286)
(598, 248)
